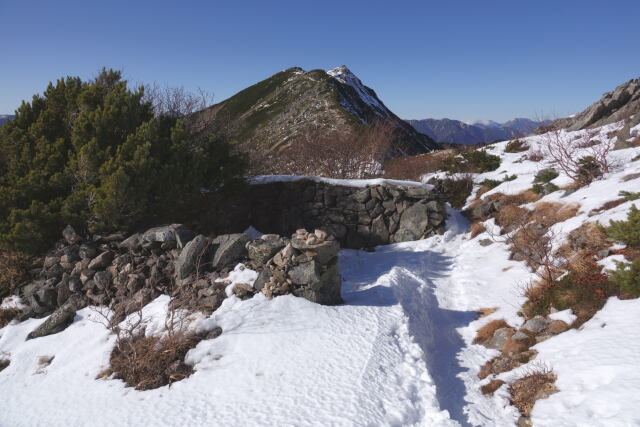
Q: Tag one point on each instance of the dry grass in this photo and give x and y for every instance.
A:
(151, 362)
(412, 167)
(485, 311)
(13, 270)
(608, 205)
(491, 387)
(476, 229)
(510, 215)
(7, 315)
(486, 332)
(550, 213)
(536, 384)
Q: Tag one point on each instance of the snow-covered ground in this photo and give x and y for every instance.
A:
(397, 352)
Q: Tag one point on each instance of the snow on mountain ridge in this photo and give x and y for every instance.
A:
(345, 76)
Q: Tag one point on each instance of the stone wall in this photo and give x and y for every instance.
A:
(358, 217)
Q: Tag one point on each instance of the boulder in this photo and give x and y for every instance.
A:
(229, 249)
(176, 235)
(188, 259)
(263, 249)
(102, 279)
(536, 325)
(499, 338)
(60, 319)
(87, 251)
(414, 222)
(101, 261)
(70, 235)
(132, 242)
(323, 287)
(322, 251)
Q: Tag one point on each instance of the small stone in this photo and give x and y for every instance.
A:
(312, 240)
(535, 325)
(101, 261)
(321, 235)
(499, 339)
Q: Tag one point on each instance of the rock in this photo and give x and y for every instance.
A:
(101, 261)
(70, 235)
(174, 234)
(362, 196)
(326, 289)
(323, 251)
(57, 322)
(417, 192)
(263, 277)
(87, 251)
(305, 273)
(557, 327)
(75, 285)
(132, 242)
(535, 325)
(193, 251)
(485, 242)
(520, 336)
(102, 279)
(263, 249)
(214, 333)
(379, 231)
(414, 222)
(230, 248)
(499, 339)
(525, 421)
(86, 275)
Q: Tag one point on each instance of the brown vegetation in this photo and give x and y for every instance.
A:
(486, 332)
(476, 229)
(536, 384)
(13, 270)
(7, 315)
(334, 155)
(413, 167)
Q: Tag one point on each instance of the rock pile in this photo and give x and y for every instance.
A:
(126, 273)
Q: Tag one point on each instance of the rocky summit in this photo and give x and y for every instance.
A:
(293, 105)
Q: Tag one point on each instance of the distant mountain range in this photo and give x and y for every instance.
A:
(5, 118)
(459, 132)
(294, 105)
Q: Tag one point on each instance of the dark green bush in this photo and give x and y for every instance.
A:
(454, 190)
(546, 175)
(543, 189)
(627, 277)
(629, 195)
(516, 146)
(95, 155)
(490, 183)
(475, 161)
(589, 170)
(626, 231)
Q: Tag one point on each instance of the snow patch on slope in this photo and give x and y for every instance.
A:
(345, 76)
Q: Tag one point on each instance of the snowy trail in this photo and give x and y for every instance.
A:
(390, 356)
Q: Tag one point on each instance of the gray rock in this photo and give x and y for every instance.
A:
(417, 192)
(536, 325)
(57, 322)
(230, 248)
(102, 279)
(323, 251)
(263, 249)
(188, 259)
(414, 222)
(305, 273)
(519, 336)
(379, 231)
(132, 242)
(70, 235)
(262, 279)
(499, 338)
(50, 261)
(326, 289)
(174, 234)
(87, 251)
(75, 285)
(101, 261)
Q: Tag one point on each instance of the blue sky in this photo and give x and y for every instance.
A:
(457, 59)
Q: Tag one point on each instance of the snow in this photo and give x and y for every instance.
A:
(566, 316)
(358, 183)
(399, 351)
(597, 368)
(239, 275)
(345, 76)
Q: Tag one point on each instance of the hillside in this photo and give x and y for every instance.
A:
(5, 118)
(294, 105)
(469, 133)
(619, 104)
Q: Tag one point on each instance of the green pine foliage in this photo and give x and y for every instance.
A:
(626, 231)
(474, 161)
(95, 155)
(627, 277)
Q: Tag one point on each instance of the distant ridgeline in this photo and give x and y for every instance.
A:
(5, 118)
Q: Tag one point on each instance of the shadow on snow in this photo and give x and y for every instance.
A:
(433, 328)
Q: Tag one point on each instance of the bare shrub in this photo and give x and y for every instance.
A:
(537, 383)
(176, 102)
(13, 271)
(583, 159)
(7, 315)
(476, 229)
(148, 362)
(336, 155)
(535, 156)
